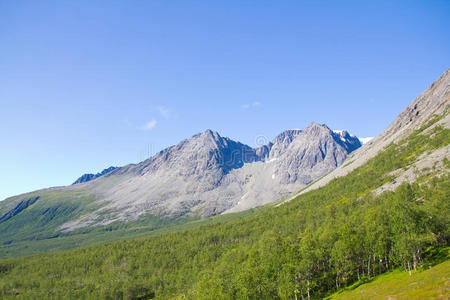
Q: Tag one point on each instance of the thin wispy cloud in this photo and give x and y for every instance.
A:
(251, 105)
(164, 112)
(149, 125)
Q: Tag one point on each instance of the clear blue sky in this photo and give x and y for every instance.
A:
(89, 84)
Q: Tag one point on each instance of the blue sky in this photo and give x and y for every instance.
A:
(89, 84)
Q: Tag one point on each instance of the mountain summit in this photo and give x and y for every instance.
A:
(203, 176)
(208, 174)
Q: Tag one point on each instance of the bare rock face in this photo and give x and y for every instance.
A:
(205, 156)
(312, 153)
(282, 141)
(209, 174)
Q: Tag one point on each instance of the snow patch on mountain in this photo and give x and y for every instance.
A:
(365, 140)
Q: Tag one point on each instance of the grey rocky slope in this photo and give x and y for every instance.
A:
(433, 101)
(208, 175)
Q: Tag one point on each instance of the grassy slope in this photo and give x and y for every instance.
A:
(41, 219)
(433, 283)
(19, 240)
(36, 229)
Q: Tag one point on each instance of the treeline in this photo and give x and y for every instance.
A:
(322, 241)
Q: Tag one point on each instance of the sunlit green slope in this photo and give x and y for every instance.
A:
(433, 283)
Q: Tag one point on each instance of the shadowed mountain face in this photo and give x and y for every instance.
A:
(89, 177)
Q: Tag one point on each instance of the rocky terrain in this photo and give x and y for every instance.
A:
(205, 175)
(209, 174)
(433, 101)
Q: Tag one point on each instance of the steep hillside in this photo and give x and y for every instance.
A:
(322, 241)
(434, 100)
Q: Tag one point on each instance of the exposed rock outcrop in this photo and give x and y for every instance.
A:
(209, 174)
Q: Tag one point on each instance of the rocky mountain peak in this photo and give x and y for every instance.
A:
(305, 154)
(208, 134)
(206, 154)
(315, 129)
(348, 141)
(208, 138)
(210, 174)
(287, 136)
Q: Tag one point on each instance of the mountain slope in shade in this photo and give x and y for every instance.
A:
(89, 177)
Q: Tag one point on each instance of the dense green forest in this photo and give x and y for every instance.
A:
(320, 242)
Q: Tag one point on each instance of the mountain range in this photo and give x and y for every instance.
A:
(202, 176)
(208, 175)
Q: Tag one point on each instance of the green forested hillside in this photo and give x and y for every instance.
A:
(19, 240)
(318, 243)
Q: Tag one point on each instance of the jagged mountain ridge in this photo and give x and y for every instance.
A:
(207, 150)
(208, 174)
(88, 176)
(221, 152)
